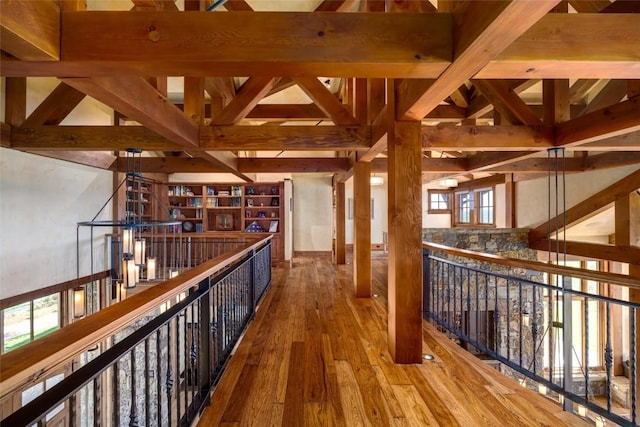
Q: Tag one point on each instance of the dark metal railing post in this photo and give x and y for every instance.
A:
(254, 280)
(205, 370)
(426, 285)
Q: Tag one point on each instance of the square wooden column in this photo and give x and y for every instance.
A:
(340, 223)
(362, 229)
(405, 241)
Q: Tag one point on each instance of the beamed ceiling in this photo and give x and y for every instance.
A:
(494, 83)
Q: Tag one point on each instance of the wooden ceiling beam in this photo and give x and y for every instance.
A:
(588, 206)
(295, 138)
(611, 160)
(589, 6)
(56, 106)
(313, 43)
(170, 165)
(627, 142)
(251, 92)
(337, 6)
(629, 254)
(237, 6)
(612, 93)
(507, 102)
(138, 100)
(579, 89)
(283, 83)
(554, 48)
(481, 33)
(326, 100)
(220, 87)
(618, 119)
(378, 137)
(577, 51)
(30, 30)
(90, 138)
(479, 106)
(287, 112)
(486, 138)
(96, 159)
(294, 165)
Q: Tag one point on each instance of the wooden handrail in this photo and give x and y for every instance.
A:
(33, 360)
(59, 287)
(598, 276)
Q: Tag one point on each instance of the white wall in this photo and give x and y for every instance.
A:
(379, 222)
(532, 200)
(312, 213)
(41, 202)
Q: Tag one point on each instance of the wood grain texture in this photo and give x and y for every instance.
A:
(405, 245)
(313, 43)
(316, 355)
(30, 30)
(362, 228)
(486, 138)
(307, 138)
(481, 34)
(55, 107)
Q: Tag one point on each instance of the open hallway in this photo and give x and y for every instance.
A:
(316, 355)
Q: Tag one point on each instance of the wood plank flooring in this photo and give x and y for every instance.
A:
(317, 356)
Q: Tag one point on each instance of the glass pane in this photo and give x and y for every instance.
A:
(17, 326)
(46, 315)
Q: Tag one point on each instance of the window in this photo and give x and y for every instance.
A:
(28, 321)
(485, 206)
(439, 202)
(475, 207)
(464, 207)
(586, 314)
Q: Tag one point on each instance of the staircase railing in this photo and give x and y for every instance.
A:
(153, 358)
(540, 323)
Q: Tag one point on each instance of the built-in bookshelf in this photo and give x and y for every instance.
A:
(186, 204)
(222, 207)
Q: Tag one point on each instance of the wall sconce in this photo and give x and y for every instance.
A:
(600, 422)
(173, 273)
(151, 268)
(542, 389)
(582, 411)
(523, 382)
(79, 295)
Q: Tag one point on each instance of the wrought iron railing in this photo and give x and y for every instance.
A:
(541, 323)
(160, 369)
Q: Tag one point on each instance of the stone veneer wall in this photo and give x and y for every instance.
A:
(512, 243)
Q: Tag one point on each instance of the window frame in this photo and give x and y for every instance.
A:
(449, 202)
(475, 208)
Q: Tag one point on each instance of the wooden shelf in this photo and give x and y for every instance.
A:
(227, 212)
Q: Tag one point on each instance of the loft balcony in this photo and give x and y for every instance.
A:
(287, 346)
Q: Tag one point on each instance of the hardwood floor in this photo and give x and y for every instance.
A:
(317, 356)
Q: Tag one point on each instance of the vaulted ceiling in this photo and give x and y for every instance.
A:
(224, 86)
